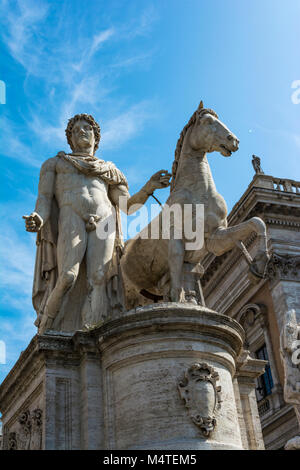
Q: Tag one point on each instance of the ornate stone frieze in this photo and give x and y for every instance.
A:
(28, 435)
(201, 395)
(284, 266)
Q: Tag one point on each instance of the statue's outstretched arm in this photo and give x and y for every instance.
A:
(45, 194)
(129, 204)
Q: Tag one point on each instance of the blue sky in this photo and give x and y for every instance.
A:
(141, 68)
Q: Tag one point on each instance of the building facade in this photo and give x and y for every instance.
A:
(48, 398)
(260, 306)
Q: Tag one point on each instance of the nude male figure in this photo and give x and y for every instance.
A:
(86, 190)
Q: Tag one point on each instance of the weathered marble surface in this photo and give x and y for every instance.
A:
(117, 387)
(164, 376)
(77, 281)
(192, 185)
(81, 270)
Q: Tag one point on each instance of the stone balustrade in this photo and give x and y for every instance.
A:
(286, 185)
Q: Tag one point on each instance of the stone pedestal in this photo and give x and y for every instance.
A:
(159, 377)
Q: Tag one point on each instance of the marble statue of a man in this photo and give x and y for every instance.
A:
(78, 191)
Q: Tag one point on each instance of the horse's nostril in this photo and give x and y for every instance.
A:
(229, 137)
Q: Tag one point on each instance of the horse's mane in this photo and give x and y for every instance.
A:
(179, 145)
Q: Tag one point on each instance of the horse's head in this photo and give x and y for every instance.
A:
(209, 134)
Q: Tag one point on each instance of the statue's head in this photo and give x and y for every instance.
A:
(83, 132)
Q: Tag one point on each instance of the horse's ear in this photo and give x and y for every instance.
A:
(201, 106)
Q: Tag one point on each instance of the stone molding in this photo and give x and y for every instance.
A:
(71, 347)
(179, 316)
(249, 368)
(140, 356)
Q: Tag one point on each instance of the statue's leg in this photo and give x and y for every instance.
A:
(71, 246)
(98, 259)
(175, 260)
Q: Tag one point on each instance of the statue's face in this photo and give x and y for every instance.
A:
(82, 135)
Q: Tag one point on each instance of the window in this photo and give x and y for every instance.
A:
(265, 381)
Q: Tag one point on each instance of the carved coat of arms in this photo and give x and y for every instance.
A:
(201, 395)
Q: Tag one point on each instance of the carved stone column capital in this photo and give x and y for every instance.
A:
(284, 266)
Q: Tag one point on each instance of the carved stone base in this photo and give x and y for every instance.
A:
(159, 377)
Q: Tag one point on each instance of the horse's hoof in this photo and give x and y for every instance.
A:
(259, 265)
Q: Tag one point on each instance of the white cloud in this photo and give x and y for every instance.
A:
(115, 131)
(142, 25)
(17, 262)
(21, 30)
(91, 48)
(130, 61)
(13, 147)
(17, 256)
(123, 127)
(86, 93)
(74, 81)
(16, 331)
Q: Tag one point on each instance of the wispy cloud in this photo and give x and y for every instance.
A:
(75, 78)
(12, 145)
(16, 331)
(130, 61)
(126, 125)
(142, 25)
(17, 262)
(21, 28)
(88, 92)
(97, 41)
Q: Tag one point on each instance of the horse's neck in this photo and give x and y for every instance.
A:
(194, 174)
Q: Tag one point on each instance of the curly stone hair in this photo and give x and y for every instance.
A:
(88, 118)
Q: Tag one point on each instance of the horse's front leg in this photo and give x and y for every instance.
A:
(225, 238)
(175, 260)
(262, 256)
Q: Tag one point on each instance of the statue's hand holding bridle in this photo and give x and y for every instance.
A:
(33, 222)
(160, 179)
